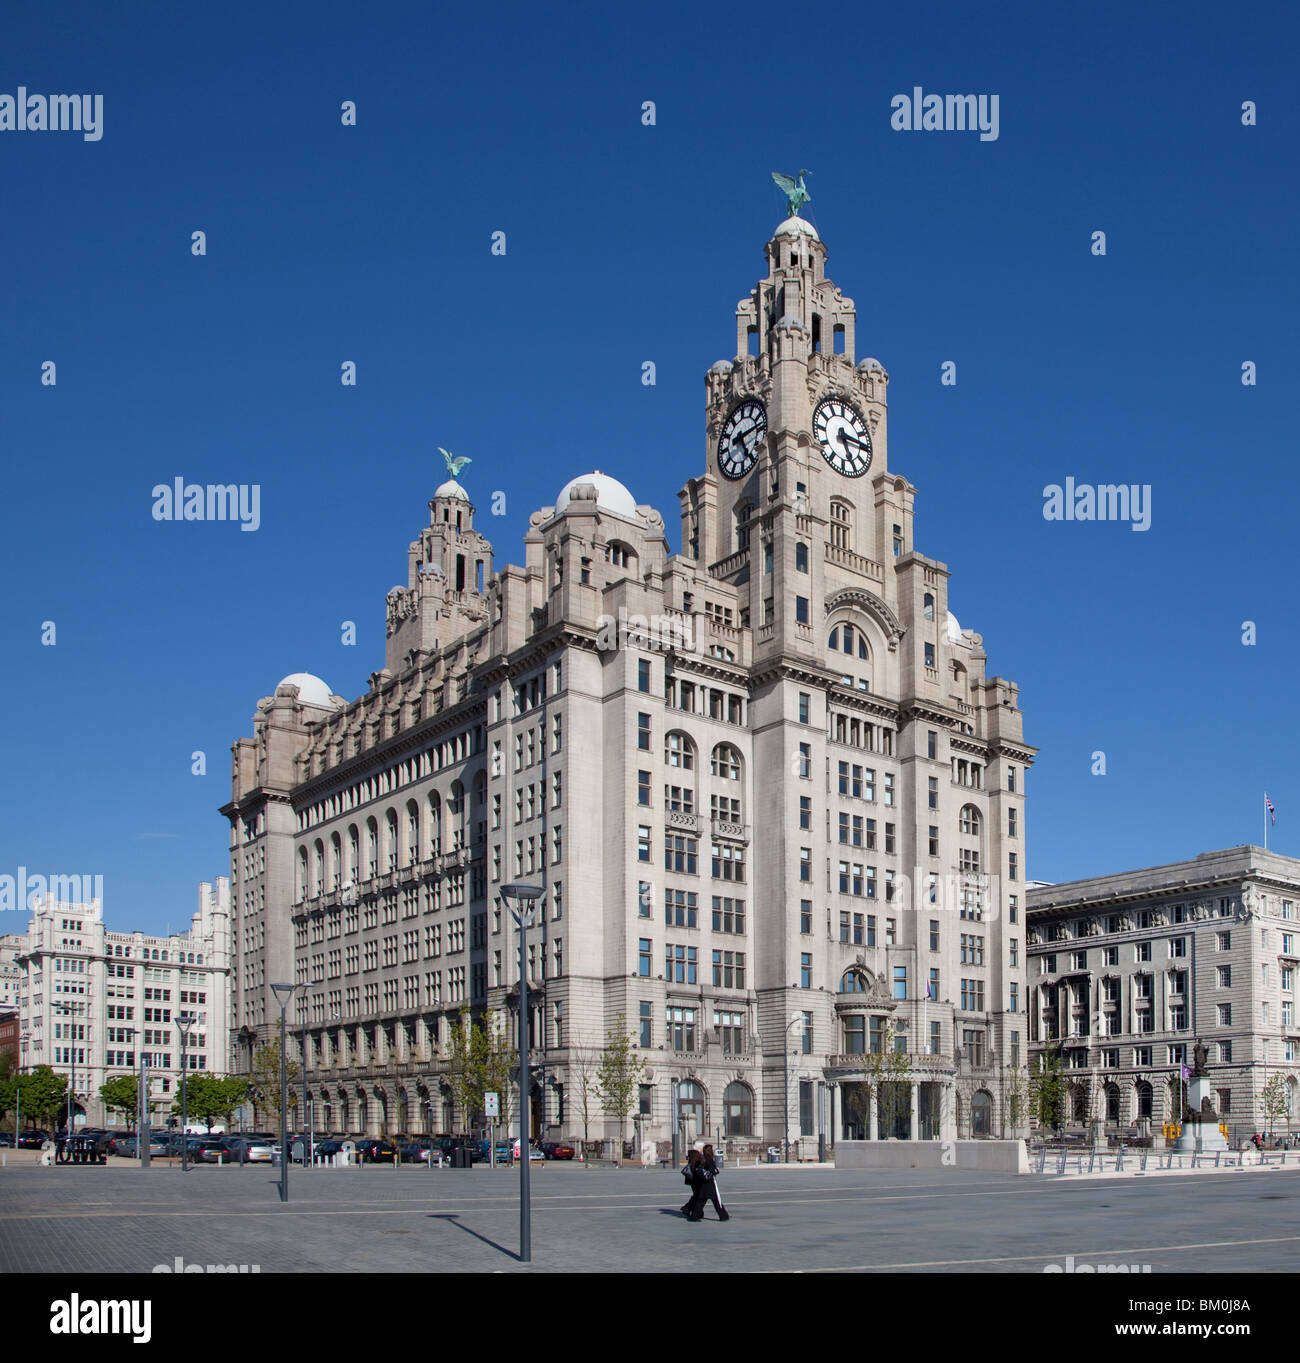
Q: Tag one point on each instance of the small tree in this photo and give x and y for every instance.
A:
(121, 1093)
(480, 1062)
(619, 1073)
(1275, 1100)
(208, 1097)
(1047, 1089)
(886, 1076)
(1017, 1100)
(266, 1076)
(582, 1070)
(44, 1092)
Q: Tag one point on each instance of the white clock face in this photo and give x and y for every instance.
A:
(742, 434)
(841, 430)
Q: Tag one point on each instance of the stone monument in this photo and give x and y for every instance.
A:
(1200, 1122)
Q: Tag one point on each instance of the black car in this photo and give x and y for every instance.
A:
(33, 1138)
(373, 1150)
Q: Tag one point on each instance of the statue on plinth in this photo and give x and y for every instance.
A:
(1200, 1058)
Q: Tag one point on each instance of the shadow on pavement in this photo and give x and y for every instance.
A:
(455, 1221)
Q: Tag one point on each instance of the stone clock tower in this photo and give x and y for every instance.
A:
(797, 450)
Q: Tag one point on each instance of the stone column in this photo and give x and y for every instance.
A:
(870, 1133)
(915, 1130)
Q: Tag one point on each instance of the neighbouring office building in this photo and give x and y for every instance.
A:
(91, 1000)
(1128, 970)
(774, 800)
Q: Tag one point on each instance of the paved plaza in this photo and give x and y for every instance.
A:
(602, 1219)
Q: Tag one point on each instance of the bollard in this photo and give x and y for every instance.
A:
(1142, 1163)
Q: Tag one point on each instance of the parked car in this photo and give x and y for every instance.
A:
(414, 1149)
(485, 1153)
(250, 1149)
(129, 1146)
(33, 1138)
(373, 1150)
(534, 1154)
(211, 1150)
(557, 1150)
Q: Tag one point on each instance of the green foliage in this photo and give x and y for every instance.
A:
(480, 1063)
(209, 1098)
(121, 1093)
(619, 1073)
(44, 1093)
(1017, 1105)
(1047, 1089)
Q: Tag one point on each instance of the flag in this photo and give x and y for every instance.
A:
(1272, 815)
(1185, 1073)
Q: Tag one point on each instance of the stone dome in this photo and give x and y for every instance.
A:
(611, 495)
(451, 488)
(311, 690)
(796, 227)
(953, 629)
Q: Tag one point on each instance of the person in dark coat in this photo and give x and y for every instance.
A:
(710, 1189)
(694, 1175)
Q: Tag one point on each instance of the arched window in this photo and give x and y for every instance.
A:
(435, 823)
(372, 847)
(981, 1113)
(302, 874)
(970, 821)
(679, 751)
(390, 840)
(619, 555)
(456, 814)
(1079, 1103)
(848, 639)
(318, 880)
(1144, 1098)
(1112, 1102)
(800, 557)
(690, 1104)
(336, 861)
(928, 602)
(853, 982)
(841, 524)
(478, 813)
(742, 524)
(354, 854)
(726, 762)
(412, 847)
(738, 1109)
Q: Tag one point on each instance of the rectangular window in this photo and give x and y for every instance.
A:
(931, 743)
(805, 916)
(934, 934)
(643, 732)
(644, 895)
(805, 760)
(643, 957)
(643, 842)
(643, 787)
(805, 864)
(805, 811)
(681, 909)
(643, 675)
(801, 610)
(647, 1035)
(804, 703)
(889, 788)
(805, 970)
(1013, 866)
(900, 981)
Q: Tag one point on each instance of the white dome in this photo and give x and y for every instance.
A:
(451, 488)
(954, 629)
(611, 495)
(798, 227)
(311, 690)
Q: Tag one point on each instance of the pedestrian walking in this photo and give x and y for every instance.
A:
(710, 1189)
(693, 1173)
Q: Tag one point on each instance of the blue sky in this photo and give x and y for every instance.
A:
(628, 243)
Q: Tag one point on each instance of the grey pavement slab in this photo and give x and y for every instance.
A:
(588, 1219)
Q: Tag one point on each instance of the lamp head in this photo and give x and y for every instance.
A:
(283, 993)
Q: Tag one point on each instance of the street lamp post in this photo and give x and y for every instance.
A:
(18, 1090)
(185, 1021)
(785, 1114)
(283, 993)
(527, 897)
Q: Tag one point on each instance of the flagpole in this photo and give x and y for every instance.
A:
(1266, 821)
